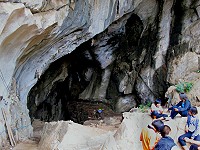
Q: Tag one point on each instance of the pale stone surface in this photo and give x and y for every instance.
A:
(185, 70)
(70, 135)
(33, 34)
(43, 5)
(127, 83)
(172, 95)
(193, 95)
(181, 67)
(125, 103)
(145, 82)
(164, 33)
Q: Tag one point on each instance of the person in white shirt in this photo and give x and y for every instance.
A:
(191, 128)
(157, 110)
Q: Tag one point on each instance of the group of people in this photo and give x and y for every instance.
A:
(157, 135)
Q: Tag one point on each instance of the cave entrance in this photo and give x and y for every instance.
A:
(55, 96)
(76, 85)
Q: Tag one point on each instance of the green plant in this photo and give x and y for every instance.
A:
(184, 87)
(149, 103)
(198, 71)
(144, 107)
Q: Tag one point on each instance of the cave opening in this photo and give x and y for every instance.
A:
(55, 95)
(77, 84)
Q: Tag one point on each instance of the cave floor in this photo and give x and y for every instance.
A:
(32, 143)
(109, 123)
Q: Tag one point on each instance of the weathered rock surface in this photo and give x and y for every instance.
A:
(125, 103)
(69, 135)
(133, 47)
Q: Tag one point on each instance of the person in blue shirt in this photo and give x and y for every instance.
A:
(99, 113)
(182, 107)
(166, 142)
(191, 128)
(195, 143)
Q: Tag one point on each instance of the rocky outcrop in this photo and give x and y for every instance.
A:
(62, 135)
(70, 135)
(135, 48)
(185, 69)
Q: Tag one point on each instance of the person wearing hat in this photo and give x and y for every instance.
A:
(182, 107)
(150, 135)
(191, 128)
(157, 110)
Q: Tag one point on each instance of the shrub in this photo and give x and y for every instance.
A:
(197, 71)
(144, 107)
(184, 87)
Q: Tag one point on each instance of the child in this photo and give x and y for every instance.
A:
(150, 135)
(195, 143)
(166, 142)
(157, 110)
(191, 128)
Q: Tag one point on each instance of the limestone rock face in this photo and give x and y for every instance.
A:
(62, 135)
(133, 47)
(182, 68)
(69, 135)
(186, 68)
(125, 103)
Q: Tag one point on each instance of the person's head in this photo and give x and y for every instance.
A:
(183, 96)
(193, 111)
(158, 125)
(165, 131)
(157, 102)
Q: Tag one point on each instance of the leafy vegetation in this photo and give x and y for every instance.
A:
(198, 71)
(184, 87)
(144, 107)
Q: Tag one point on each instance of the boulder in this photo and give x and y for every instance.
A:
(72, 136)
(125, 103)
(64, 135)
(172, 95)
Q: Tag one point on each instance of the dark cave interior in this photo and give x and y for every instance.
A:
(56, 94)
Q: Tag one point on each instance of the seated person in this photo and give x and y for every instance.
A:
(150, 135)
(191, 128)
(157, 110)
(195, 143)
(182, 107)
(99, 113)
(166, 142)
